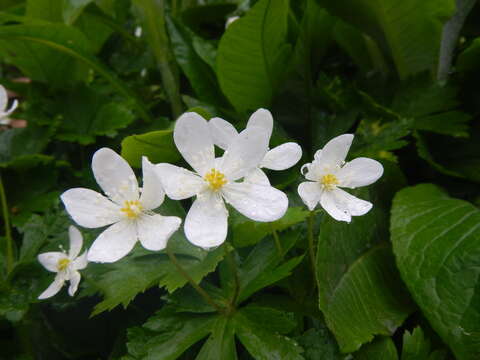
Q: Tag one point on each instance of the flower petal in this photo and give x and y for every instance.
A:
(155, 230)
(49, 260)
(257, 202)
(76, 242)
(222, 131)
(74, 281)
(54, 288)
(179, 183)
(206, 222)
(194, 141)
(257, 176)
(262, 118)
(114, 243)
(310, 192)
(89, 208)
(342, 206)
(359, 172)
(245, 153)
(152, 190)
(80, 262)
(334, 152)
(114, 175)
(282, 157)
(3, 99)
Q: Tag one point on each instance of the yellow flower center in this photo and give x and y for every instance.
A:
(62, 264)
(215, 179)
(329, 181)
(132, 209)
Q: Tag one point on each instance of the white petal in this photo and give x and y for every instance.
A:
(114, 243)
(8, 112)
(179, 183)
(74, 281)
(282, 157)
(245, 153)
(206, 222)
(335, 151)
(152, 191)
(114, 175)
(341, 205)
(257, 202)
(54, 288)
(80, 262)
(49, 260)
(257, 176)
(194, 141)
(154, 231)
(76, 242)
(310, 193)
(222, 131)
(262, 118)
(89, 208)
(360, 172)
(3, 99)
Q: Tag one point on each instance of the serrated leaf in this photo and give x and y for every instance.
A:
(252, 55)
(360, 291)
(221, 342)
(415, 345)
(437, 247)
(380, 349)
(157, 146)
(19, 146)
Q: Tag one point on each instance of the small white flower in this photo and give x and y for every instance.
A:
(4, 113)
(328, 173)
(65, 265)
(281, 157)
(215, 180)
(127, 208)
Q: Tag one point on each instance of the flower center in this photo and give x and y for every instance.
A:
(329, 181)
(63, 264)
(215, 179)
(132, 209)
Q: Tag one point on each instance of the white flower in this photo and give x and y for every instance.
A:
(125, 208)
(215, 180)
(4, 113)
(65, 265)
(328, 173)
(281, 157)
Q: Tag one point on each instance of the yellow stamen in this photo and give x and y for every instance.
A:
(329, 181)
(132, 209)
(62, 264)
(215, 179)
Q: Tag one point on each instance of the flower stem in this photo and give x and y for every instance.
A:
(311, 244)
(278, 244)
(8, 230)
(233, 266)
(202, 292)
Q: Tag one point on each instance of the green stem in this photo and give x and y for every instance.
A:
(311, 244)
(8, 230)
(233, 267)
(278, 244)
(202, 292)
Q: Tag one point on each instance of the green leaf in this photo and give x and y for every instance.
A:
(319, 344)
(468, 60)
(360, 292)
(380, 349)
(415, 345)
(246, 232)
(437, 248)
(252, 55)
(221, 342)
(394, 24)
(157, 146)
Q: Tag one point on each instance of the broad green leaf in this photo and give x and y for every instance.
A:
(252, 55)
(50, 10)
(72, 9)
(360, 291)
(221, 342)
(415, 345)
(437, 247)
(319, 344)
(380, 349)
(468, 60)
(157, 146)
(394, 24)
(246, 232)
(63, 39)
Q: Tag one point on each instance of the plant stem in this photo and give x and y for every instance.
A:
(311, 244)
(202, 292)
(233, 266)
(278, 244)
(8, 230)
